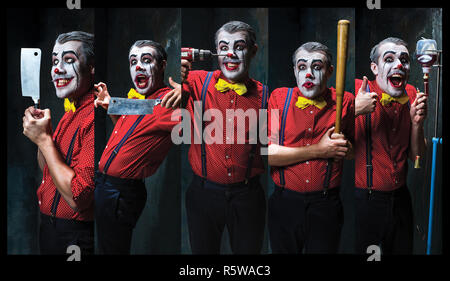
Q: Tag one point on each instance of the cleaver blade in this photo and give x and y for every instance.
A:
(125, 106)
(30, 66)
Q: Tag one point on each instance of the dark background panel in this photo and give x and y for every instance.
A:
(289, 28)
(31, 28)
(158, 229)
(198, 29)
(410, 25)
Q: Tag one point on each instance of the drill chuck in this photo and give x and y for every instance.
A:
(192, 54)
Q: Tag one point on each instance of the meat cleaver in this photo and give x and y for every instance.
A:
(124, 106)
(30, 66)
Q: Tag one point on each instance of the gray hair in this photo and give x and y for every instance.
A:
(236, 26)
(160, 52)
(314, 47)
(87, 43)
(374, 55)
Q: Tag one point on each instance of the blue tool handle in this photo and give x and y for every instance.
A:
(433, 174)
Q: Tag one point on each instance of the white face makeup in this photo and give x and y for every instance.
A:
(70, 73)
(235, 46)
(144, 69)
(311, 73)
(392, 69)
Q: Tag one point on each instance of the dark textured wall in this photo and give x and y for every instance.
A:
(198, 29)
(37, 28)
(410, 25)
(289, 28)
(158, 229)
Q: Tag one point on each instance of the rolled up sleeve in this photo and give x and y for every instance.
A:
(83, 182)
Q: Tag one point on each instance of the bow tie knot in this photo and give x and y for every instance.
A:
(223, 86)
(69, 105)
(304, 102)
(387, 99)
(133, 94)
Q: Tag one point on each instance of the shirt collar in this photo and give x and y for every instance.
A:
(373, 85)
(158, 92)
(84, 100)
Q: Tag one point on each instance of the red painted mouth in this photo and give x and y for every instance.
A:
(141, 81)
(396, 80)
(308, 85)
(62, 82)
(230, 66)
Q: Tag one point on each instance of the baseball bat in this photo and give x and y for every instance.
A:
(341, 61)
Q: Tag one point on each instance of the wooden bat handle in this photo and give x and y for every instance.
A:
(341, 61)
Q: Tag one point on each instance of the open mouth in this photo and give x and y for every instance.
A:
(308, 85)
(62, 82)
(141, 81)
(396, 80)
(231, 66)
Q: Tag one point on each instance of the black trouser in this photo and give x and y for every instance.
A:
(56, 234)
(384, 219)
(309, 222)
(118, 206)
(211, 206)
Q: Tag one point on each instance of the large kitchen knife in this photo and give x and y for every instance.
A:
(124, 106)
(30, 66)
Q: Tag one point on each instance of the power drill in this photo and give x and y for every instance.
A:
(192, 54)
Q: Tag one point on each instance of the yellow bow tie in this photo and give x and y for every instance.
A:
(223, 86)
(69, 105)
(387, 99)
(304, 102)
(132, 94)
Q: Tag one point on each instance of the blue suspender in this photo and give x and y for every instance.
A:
(57, 196)
(265, 97)
(123, 140)
(287, 102)
(120, 144)
(368, 129)
(203, 148)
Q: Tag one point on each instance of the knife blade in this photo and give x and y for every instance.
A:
(124, 106)
(30, 66)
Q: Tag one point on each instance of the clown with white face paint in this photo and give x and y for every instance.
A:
(135, 149)
(236, 54)
(392, 68)
(312, 71)
(66, 155)
(388, 131)
(299, 154)
(70, 71)
(146, 69)
(221, 165)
